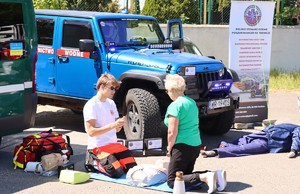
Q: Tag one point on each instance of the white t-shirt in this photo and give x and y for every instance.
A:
(104, 113)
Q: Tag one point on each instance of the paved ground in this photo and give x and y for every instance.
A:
(267, 173)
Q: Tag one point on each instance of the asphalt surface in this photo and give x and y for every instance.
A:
(266, 173)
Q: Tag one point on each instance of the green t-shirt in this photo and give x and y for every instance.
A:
(186, 111)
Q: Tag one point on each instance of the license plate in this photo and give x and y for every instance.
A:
(213, 104)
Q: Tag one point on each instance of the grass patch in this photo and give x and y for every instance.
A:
(280, 81)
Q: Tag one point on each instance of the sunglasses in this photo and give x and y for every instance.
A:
(112, 88)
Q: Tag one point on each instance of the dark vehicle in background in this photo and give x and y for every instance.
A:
(190, 47)
(18, 55)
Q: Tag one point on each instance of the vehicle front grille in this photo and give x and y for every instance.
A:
(196, 86)
(204, 78)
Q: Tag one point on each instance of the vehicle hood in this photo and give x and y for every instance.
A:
(161, 59)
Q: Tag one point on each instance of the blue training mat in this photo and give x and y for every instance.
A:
(122, 180)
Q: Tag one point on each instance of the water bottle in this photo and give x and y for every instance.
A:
(64, 155)
(179, 187)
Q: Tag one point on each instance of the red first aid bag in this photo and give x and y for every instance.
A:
(35, 146)
(120, 152)
(48, 140)
(113, 160)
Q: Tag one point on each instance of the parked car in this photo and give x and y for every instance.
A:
(190, 47)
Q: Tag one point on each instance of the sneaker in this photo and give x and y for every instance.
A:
(292, 154)
(221, 180)
(211, 182)
(210, 153)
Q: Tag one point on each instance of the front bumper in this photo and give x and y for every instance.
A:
(205, 111)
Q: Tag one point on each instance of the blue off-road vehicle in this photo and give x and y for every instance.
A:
(76, 47)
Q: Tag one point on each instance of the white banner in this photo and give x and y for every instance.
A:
(250, 37)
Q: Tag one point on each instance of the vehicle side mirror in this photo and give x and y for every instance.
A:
(174, 29)
(177, 43)
(86, 45)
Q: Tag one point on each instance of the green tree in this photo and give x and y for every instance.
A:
(187, 10)
(164, 10)
(50, 4)
(114, 6)
(223, 4)
(89, 5)
(160, 9)
(86, 5)
(288, 15)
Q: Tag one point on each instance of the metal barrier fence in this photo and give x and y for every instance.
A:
(218, 11)
(190, 11)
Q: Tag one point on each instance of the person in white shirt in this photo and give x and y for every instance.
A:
(102, 122)
(101, 118)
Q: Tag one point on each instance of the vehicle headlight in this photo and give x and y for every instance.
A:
(221, 72)
(219, 85)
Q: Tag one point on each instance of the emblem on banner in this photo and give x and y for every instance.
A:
(252, 15)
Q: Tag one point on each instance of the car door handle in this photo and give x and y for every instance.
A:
(63, 58)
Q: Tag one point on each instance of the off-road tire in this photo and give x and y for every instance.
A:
(217, 125)
(143, 115)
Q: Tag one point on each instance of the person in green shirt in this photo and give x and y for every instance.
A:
(184, 139)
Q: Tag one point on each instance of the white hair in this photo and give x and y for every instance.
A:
(175, 83)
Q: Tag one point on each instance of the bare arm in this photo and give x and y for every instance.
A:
(95, 131)
(172, 132)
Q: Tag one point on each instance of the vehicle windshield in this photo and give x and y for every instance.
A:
(131, 32)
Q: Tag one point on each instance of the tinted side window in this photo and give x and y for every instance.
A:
(11, 31)
(45, 30)
(73, 31)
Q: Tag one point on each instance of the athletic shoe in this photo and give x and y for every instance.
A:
(221, 180)
(211, 181)
(210, 153)
(292, 154)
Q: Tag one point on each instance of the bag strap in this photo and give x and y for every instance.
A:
(36, 171)
(69, 145)
(39, 151)
(45, 132)
(16, 156)
(49, 131)
(56, 145)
